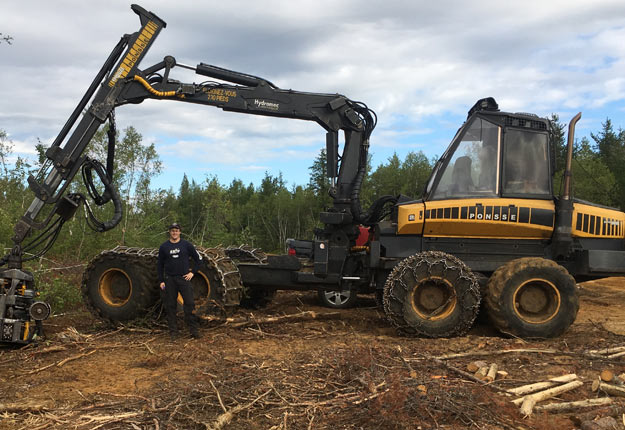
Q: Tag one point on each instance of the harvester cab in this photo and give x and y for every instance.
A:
(479, 156)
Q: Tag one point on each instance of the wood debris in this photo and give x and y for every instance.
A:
(613, 390)
(252, 320)
(530, 400)
(612, 352)
(543, 390)
(569, 406)
(530, 388)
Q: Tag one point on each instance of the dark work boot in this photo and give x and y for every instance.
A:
(195, 334)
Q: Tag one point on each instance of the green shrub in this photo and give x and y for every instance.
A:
(61, 293)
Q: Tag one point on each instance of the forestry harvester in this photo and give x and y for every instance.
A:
(487, 229)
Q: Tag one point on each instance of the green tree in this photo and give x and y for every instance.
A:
(135, 165)
(272, 219)
(319, 181)
(13, 196)
(242, 219)
(558, 139)
(591, 179)
(214, 225)
(610, 146)
(417, 169)
(406, 177)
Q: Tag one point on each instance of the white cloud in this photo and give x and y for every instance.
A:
(419, 65)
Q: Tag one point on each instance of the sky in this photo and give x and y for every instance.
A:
(420, 65)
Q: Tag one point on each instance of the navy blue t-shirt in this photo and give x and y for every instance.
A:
(173, 259)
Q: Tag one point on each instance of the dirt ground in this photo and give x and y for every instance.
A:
(318, 369)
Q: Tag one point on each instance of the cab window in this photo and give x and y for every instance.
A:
(526, 164)
(472, 170)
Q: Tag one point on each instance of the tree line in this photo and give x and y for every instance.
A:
(266, 214)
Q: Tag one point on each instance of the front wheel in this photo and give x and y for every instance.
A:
(337, 299)
(532, 297)
(432, 294)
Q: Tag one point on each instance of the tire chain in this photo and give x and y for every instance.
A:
(430, 258)
(138, 260)
(230, 288)
(252, 298)
(247, 254)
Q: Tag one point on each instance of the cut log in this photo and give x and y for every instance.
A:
(474, 366)
(528, 406)
(569, 406)
(530, 400)
(481, 373)
(492, 373)
(611, 350)
(618, 354)
(613, 390)
(606, 375)
(595, 385)
(530, 388)
(552, 392)
(502, 374)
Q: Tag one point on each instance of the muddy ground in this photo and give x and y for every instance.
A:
(320, 369)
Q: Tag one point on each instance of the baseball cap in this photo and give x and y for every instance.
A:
(174, 225)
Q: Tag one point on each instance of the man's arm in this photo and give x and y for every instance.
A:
(196, 258)
(161, 264)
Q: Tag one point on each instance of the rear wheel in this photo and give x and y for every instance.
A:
(205, 285)
(337, 299)
(432, 294)
(120, 287)
(532, 297)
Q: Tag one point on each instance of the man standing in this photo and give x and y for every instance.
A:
(175, 277)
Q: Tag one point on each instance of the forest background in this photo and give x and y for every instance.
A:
(262, 215)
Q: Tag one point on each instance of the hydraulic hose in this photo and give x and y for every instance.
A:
(110, 192)
(152, 90)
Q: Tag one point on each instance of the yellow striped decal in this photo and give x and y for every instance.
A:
(134, 52)
(26, 330)
(505, 218)
(593, 221)
(479, 218)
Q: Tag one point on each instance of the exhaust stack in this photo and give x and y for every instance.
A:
(563, 233)
(566, 191)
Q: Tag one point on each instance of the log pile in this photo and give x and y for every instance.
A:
(612, 352)
(487, 372)
(530, 394)
(543, 390)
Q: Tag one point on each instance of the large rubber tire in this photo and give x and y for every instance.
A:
(337, 299)
(532, 298)
(432, 294)
(206, 287)
(120, 287)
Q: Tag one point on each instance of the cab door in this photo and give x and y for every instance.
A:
(489, 188)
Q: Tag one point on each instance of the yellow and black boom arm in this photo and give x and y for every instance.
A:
(121, 81)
